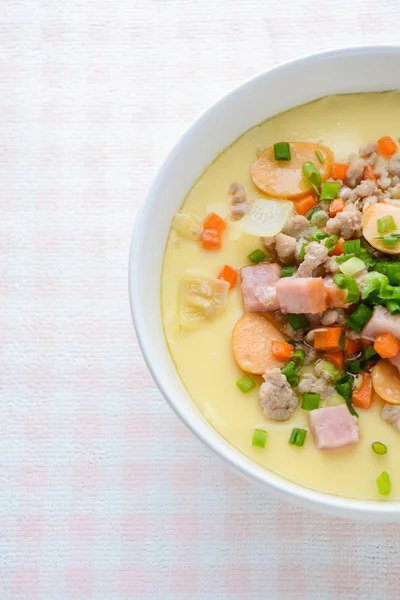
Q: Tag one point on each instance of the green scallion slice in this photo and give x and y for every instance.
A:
(282, 151)
(369, 352)
(310, 401)
(299, 356)
(289, 369)
(346, 282)
(298, 321)
(379, 448)
(298, 437)
(257, 256)
(302, 252)
(359, 317)
(331, 242)
(320, 156)
(294, 381)
(352, 246)
(259, 438)
(386, 224)
(329, 190)
(384, 484)
(312, 175)
(393, 306)
(287, 271)
(344, 258)
(245, 383)
(311, 212)
(354, 366)
(318, 235)
(344, 387)
(390, 240)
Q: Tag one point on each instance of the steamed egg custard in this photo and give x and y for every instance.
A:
(280, 295)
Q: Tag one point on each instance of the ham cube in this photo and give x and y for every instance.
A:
(381, 321)
(334, 296)
(258, 287)
(333, 427)
(301, 295)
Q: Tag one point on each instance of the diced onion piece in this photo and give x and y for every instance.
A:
(266, 217)
(200, 298)
(333, 400)
(188, 225)
(352, 266)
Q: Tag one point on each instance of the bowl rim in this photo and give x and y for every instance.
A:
(277, 486)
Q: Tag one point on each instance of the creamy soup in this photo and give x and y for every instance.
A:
(365, 188)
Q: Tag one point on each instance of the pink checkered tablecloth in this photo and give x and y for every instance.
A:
(103, 493)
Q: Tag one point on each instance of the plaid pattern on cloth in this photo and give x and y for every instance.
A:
(103, 494)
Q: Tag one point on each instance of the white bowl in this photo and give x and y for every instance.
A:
(340, 71)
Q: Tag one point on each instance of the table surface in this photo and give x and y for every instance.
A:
(103, 493)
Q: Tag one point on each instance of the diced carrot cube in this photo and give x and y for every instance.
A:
(214, 221)
(338, 249)
(336, 206)
(281, 350)
(339, 171)
(328, 338)
(335, 356)
(362, 395)
(303, 205)
(386, 345)
(352, 346)
(369, 173)
(211, 239)
(229, 274)
(387, 145)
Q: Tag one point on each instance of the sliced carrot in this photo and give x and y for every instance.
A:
(214, 221)
(338, 249)
(335, 356)
(328, 338)
(339, 171)
(281, 350)
(352, 346)
(387, 145)
(369, 173)
(362, 395)
(211, 239)
(251, 343)
(366, 342)
(386, 345)
(229, 274)
(386, 381)
(303, 205)
(284, 179)
(369, 224)
(336, 206)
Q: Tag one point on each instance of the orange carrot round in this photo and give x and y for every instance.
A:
(386, 381)
(284, 179)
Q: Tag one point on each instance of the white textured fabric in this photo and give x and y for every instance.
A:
(103, 493)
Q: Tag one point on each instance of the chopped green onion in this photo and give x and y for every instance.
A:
(391, 270)
(355, 366)
(287, 271)
(383, 483)
(382, 237)
(390, 240)
(331, 242)
(344, 257)
(318, 235)
(379, 448)
(369, 352)
(294, 381)
(393, 306)
(352, 266)
(302, 252)
(359, 317)
(312, 210)
(344, 387)
(320, 156)
(259, 438)
(312, 175)
(298, 321)
(298, 437)
(282, 151)
(345, 282)
(256, 256)
(245, 383)
(310, 401)
(373, 281)
(329, 190)
(329, 368)
(352, 246)
(289, 369)
(386, 224)
(298, 356)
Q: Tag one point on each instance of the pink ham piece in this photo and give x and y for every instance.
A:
(258, 287)
(299, 295)
(333, 427)
(334, 296)
(381, 321)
